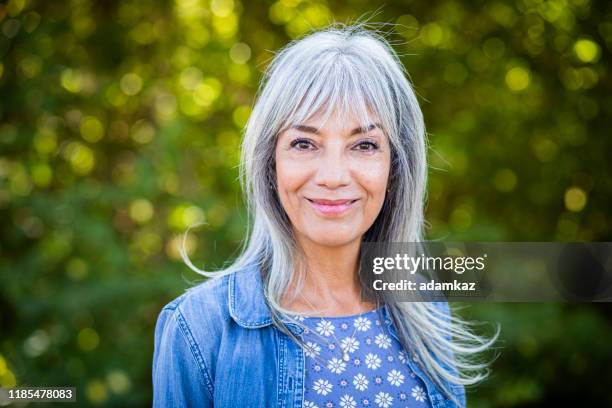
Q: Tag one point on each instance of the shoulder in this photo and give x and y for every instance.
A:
(200, 311)
(212, 291)
(185, 343)
(188, 332)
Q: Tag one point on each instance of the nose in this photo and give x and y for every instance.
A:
(333, 169)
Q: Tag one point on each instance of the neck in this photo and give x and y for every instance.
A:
(331, 285)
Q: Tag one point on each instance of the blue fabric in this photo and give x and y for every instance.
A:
(376, 373)
(216, 345)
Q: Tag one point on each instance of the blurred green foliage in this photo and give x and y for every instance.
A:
(120, 124)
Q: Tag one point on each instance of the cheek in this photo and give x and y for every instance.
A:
(374, 178)
(289, 178)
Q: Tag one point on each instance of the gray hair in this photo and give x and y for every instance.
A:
(348, 70)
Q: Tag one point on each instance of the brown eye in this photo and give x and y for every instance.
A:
(367, 146)
(302, 144)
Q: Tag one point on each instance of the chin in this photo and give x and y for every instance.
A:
(331, 243)
(334, 238)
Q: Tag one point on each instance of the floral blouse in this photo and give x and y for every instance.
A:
(376, 373)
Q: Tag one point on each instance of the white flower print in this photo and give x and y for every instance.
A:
(395, 378)
(336, 365)
(402, 357)
(348, 402)
(325, 328)
(360, 382)
(383, 341)
(383, 399)
(312, 349)
(419, 394)
(362, 323)
(323, 387)
(372, 361)
(350, 344)
(377, 373)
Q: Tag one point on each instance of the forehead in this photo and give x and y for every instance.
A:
(338, 120)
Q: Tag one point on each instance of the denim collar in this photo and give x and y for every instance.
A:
(247, 305)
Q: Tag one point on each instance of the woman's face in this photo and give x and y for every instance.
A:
(332, 178)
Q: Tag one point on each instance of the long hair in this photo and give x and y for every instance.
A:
(348, 70)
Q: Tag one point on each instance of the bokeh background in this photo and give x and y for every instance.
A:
(120, 124)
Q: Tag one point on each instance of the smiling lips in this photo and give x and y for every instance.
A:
(331, 207)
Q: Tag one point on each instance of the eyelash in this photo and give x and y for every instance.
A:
(295, 142)
(374, 145)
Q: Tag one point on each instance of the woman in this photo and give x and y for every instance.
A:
(333, 155)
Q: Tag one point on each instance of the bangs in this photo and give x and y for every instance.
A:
(340, 86)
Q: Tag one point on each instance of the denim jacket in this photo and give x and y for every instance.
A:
(215, 345)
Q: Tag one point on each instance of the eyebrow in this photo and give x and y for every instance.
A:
(356, 131)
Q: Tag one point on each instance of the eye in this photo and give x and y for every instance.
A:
(303, 144)
(366, 146)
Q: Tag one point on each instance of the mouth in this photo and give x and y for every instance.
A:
(332, 207)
